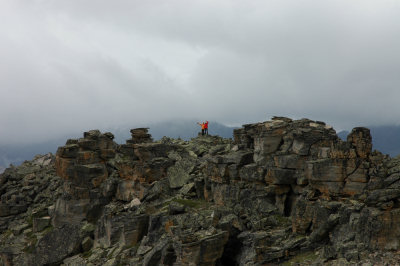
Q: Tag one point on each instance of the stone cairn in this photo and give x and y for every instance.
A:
(139, 135)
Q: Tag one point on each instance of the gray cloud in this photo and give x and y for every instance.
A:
(70, 66)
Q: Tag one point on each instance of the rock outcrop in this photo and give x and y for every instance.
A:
(282, 191)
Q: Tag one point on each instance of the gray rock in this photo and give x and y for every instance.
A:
(276, 176)
(87, 244)
(40, 223)
(382, 195)
(179, 174)
(126, 190)
(187, 188)
(176, 208)
(124, 229)
(328, 253)
(17, 230)
(239, 158)
(143, 250)
(57, 245)
(74, 261)
(252, 173)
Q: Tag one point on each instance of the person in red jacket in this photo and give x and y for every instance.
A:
(206, 128)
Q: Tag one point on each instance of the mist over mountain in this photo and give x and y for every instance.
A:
(184, 129)
(16, 154)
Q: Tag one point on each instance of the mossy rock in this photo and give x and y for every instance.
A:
(179, 174)
(196, 204)
(282, 220)
(305, 258)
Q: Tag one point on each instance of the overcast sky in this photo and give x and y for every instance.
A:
(74, 65)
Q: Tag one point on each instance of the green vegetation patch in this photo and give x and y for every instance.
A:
(302, 259)
(196, 204)
(32, 240)
(282, 220)
(29, 220)
(150, 210)
(29, 249)
(7, 234)
(47, 230)
(87, 254)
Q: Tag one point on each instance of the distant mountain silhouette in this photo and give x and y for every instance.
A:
(17, 153)
(186, 129)
(343, 134)
(385, 139)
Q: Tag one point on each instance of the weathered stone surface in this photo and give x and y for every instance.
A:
(239, 158)
(323, 230)
(266, 145)
(140, 135)
(4, 210)
(12, 209)
(126, 229)
(176, 208)
(179, 174)
(277, 176)
(252, 173)
(382, 195)
(55, 246)
(326, 170)
(74, 261)
(89, 175)
(205, 251)
(283, 188)
(40, 223)
(290, 161)
(361, 139)
(87, 244)
(128, 190)
(68, 151)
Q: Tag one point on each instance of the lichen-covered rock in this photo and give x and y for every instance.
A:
(55, 246)
(284, 190)
(125, 229)
(179, 173)
(206, 248)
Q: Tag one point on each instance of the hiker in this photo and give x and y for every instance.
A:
(202, 127)
(206, 128)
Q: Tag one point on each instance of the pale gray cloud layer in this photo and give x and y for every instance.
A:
(81, 64)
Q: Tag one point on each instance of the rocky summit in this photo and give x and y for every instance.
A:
(281, 192)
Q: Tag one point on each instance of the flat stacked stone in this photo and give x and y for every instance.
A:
(140, 135)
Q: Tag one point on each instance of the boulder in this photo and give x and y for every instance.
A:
(125, 229)
(205, 251)
(56, 245)
(179, 174)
